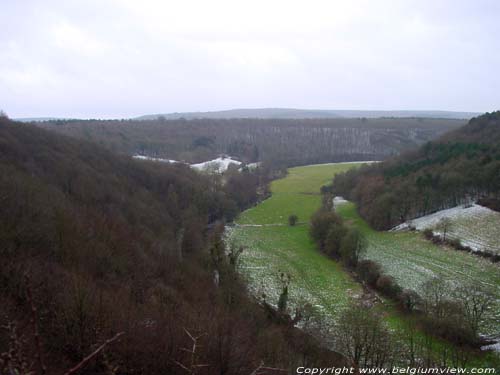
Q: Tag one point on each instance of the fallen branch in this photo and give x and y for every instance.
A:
(93, 354)
(266, 369)
(192, 367)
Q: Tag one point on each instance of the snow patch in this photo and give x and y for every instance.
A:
(219, 165)
(475, 226)
(143, 157)
(339, 200)
(253, 166)
(494, 347)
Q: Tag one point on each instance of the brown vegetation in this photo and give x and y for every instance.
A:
(282, 142)
(116, 245)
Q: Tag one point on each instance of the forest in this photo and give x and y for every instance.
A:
(461, 167)
(122, 262)
(286, 142)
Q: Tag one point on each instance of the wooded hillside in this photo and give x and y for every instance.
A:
(93, 244)
(460, 167)
(287, 142)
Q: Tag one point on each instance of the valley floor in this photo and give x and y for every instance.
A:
(273, 247)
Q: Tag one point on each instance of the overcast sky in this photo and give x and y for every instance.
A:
(122, 58)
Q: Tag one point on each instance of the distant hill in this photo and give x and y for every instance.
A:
(285, 113)
(291, 113)
(36, 119)
(286, 141)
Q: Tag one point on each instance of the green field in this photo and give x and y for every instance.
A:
(412, 260)
(273, 247)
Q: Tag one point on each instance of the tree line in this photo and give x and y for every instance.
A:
(439, 309)
(288, 142)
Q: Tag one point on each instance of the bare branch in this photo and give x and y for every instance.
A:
(264, 368)
(87, 359)
(192, 367)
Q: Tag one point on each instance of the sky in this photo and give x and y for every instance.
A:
(125, 58)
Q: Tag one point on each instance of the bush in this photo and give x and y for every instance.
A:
(336, 233)
(321, 222)
(409, 300)
(353, 244)
(449, 329)
(388, 286)
(428, 233)
(369, 271)
(292, 220)
(456, 244)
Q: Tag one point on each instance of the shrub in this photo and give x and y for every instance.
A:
(334, 239)
(449, 329)
(387, 285)
(292, 220)
(428, 233)
(409, 300)
(353, 244)
(369, 271)
(321, 222)
(456, 244)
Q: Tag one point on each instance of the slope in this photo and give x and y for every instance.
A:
(461, 167)
(99, 244)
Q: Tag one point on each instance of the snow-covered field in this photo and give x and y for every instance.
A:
(412, 260)
(476, 226)
(142, 157)
(219, 165)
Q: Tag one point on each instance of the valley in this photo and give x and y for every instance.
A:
(272, 248)
(249, 188)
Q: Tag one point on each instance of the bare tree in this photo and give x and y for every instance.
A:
(434, 293)
(444, 226)
(476, 301)
(363, 338)
(192, 367)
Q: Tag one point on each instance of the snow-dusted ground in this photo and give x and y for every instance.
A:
(221, 164)
(339, 200)
(252, 166)
(142, 157)
(495, 347)
(476, 226)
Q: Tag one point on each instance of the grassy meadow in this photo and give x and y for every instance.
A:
(412, 260)
(273, 247)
